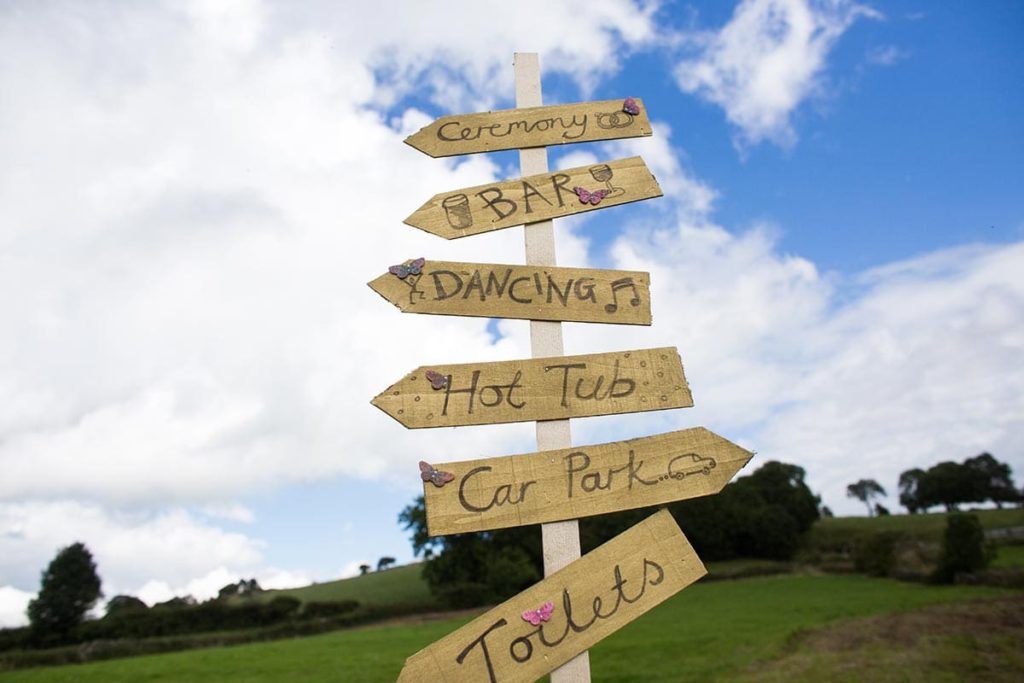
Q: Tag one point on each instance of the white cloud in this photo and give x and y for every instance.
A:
(192, 206)
(913, 363)
(13, 603)
(189, 289)
(129, 548)
(886, 55)
(766, 61)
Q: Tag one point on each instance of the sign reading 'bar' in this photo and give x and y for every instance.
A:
(516, 490)
(568, 612)
(531, 127)
(525, 292)
(538, 389)
(474, 210)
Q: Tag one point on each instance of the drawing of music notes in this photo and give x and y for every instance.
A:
(622, 284)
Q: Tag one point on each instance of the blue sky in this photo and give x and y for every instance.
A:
(194, 202)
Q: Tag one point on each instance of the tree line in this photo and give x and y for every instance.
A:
(948, 484)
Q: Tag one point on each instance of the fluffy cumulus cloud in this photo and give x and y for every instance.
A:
(194, 196)
(766, 61)
(863, 376)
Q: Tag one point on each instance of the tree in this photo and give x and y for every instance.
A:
(384, 562)
(364, 569)
(910, 490)
(243, 588)
(948, 484)
(70, 586)
(991, 480)
(864, 490)
(125, 603)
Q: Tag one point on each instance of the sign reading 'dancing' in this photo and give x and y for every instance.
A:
(473, 210)
(531, 127)
(526, 292)
(555, 388)
(549, 486)
(568, 612)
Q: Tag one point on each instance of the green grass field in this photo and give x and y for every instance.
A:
(712, 631)
(833, 531)
(401, 585)
(1009, 556)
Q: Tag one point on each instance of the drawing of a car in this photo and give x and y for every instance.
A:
(688, 464)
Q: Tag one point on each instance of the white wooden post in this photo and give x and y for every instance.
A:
(561, 539)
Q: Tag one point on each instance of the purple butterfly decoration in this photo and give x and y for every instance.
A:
(404, 270)
(435, 476)
(630, 106)
(437, 380)
(594, 197)
(535, 616)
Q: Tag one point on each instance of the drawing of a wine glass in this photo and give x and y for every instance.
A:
(602, 173)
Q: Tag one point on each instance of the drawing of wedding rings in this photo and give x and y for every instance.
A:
(614, 119)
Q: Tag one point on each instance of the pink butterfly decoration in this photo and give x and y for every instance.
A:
(437, 380)
(535, 616)
(630, 106)
(435, 476)
(404, 270)
(586, 197)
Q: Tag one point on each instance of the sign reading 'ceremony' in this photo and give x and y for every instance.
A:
(568, 612)
(538, 389)
(543, 487)
(525, 292)
(473, 210)
(531, 127)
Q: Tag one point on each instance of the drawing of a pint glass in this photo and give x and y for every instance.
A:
(456, 210)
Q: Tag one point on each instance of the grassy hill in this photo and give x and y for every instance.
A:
(398, 586)
(926, 527)
(753, 629)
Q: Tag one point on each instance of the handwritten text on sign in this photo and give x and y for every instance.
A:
(525, 292)
(530, 127)
(473, 210)
(543, 487)
(538, 389)
(589, 600)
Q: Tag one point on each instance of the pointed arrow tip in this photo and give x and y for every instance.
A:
(416, 141)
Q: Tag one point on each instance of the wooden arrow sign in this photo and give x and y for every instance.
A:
(538, 389)
(526, 292)
(568, 612)
(473, 210)
(531, 127)
(580, 482)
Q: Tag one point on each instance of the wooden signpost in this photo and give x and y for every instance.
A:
(550, 626)
(538, 389)
(526, 292)
(516, 490)
(530, 127)
(474, 210)
(573, 608)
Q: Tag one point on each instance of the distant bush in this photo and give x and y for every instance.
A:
(875, 554)
(319, 610)
(963, 548)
